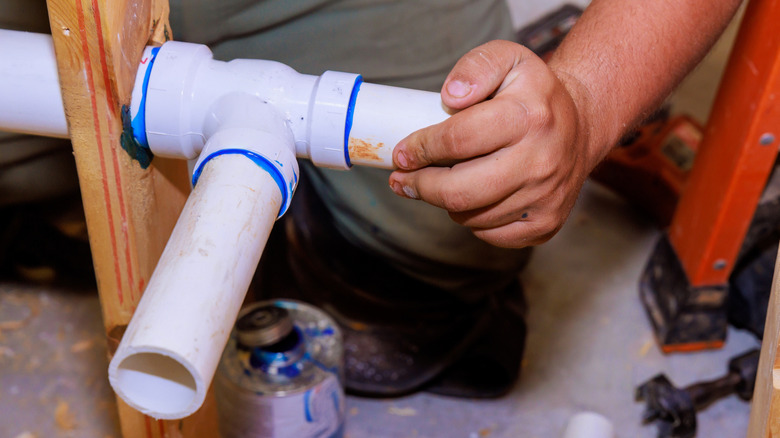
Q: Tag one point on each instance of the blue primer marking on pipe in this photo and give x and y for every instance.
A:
(261, 162)
(139, 121)
(307, 406)
(350, 114)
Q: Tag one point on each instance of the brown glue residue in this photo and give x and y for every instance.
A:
(114, 337)
(362, 150)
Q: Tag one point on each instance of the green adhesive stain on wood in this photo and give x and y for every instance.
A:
(136, 151)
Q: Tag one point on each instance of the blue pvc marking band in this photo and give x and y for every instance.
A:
(261, 161)
(139, 121)
(307, 406)
(350, 114)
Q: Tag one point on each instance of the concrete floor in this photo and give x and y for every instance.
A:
(589, 344)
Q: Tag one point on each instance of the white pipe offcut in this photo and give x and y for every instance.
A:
(589, 425)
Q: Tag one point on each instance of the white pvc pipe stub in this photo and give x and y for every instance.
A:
(383, 116)
(167, 358)
(589, 425)
(156, 383)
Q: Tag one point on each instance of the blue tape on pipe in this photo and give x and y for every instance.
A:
(350, 114)
(139, 121)
(261, 161)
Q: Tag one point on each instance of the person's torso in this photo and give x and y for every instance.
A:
(398, 42)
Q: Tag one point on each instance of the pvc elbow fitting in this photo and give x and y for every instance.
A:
(268, 143)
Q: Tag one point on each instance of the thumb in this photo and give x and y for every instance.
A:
(481, 72)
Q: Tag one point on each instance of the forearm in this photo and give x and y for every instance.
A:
(623, 57)
(528, 133)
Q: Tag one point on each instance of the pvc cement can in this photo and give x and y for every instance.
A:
(280, 375)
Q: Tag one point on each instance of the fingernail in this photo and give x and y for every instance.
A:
(458, 89)
(410, 193)
(396, 188)
(403, 162)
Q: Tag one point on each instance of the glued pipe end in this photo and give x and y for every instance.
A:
(157, 384)
(331, 118)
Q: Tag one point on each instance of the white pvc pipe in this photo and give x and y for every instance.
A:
(168, 356)
(589, 425)
(326, 113)
(30, 99)
(383, 116)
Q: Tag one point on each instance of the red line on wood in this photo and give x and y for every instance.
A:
(148, 426)
(161, 425)
(117, 175)
(96, 121)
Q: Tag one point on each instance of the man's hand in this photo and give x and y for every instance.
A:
(510, 163)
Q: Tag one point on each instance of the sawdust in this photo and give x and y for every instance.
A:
(645, 348)
(38, 274)
(80, 346)
(34, 310)
(13, 325)
(5, 351)
(63, 417)
(402, 412)
(26, 434)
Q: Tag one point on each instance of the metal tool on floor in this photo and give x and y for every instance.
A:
(675, 409)
(280, 375)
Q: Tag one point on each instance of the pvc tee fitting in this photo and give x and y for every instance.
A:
(336, 119)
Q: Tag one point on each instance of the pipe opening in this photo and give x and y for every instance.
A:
(155, 382)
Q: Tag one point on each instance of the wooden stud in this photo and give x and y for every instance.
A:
(130, 206)
(765, 406)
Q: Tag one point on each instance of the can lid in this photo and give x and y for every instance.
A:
(262, 325)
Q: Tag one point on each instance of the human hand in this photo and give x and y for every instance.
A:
(511, 162)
